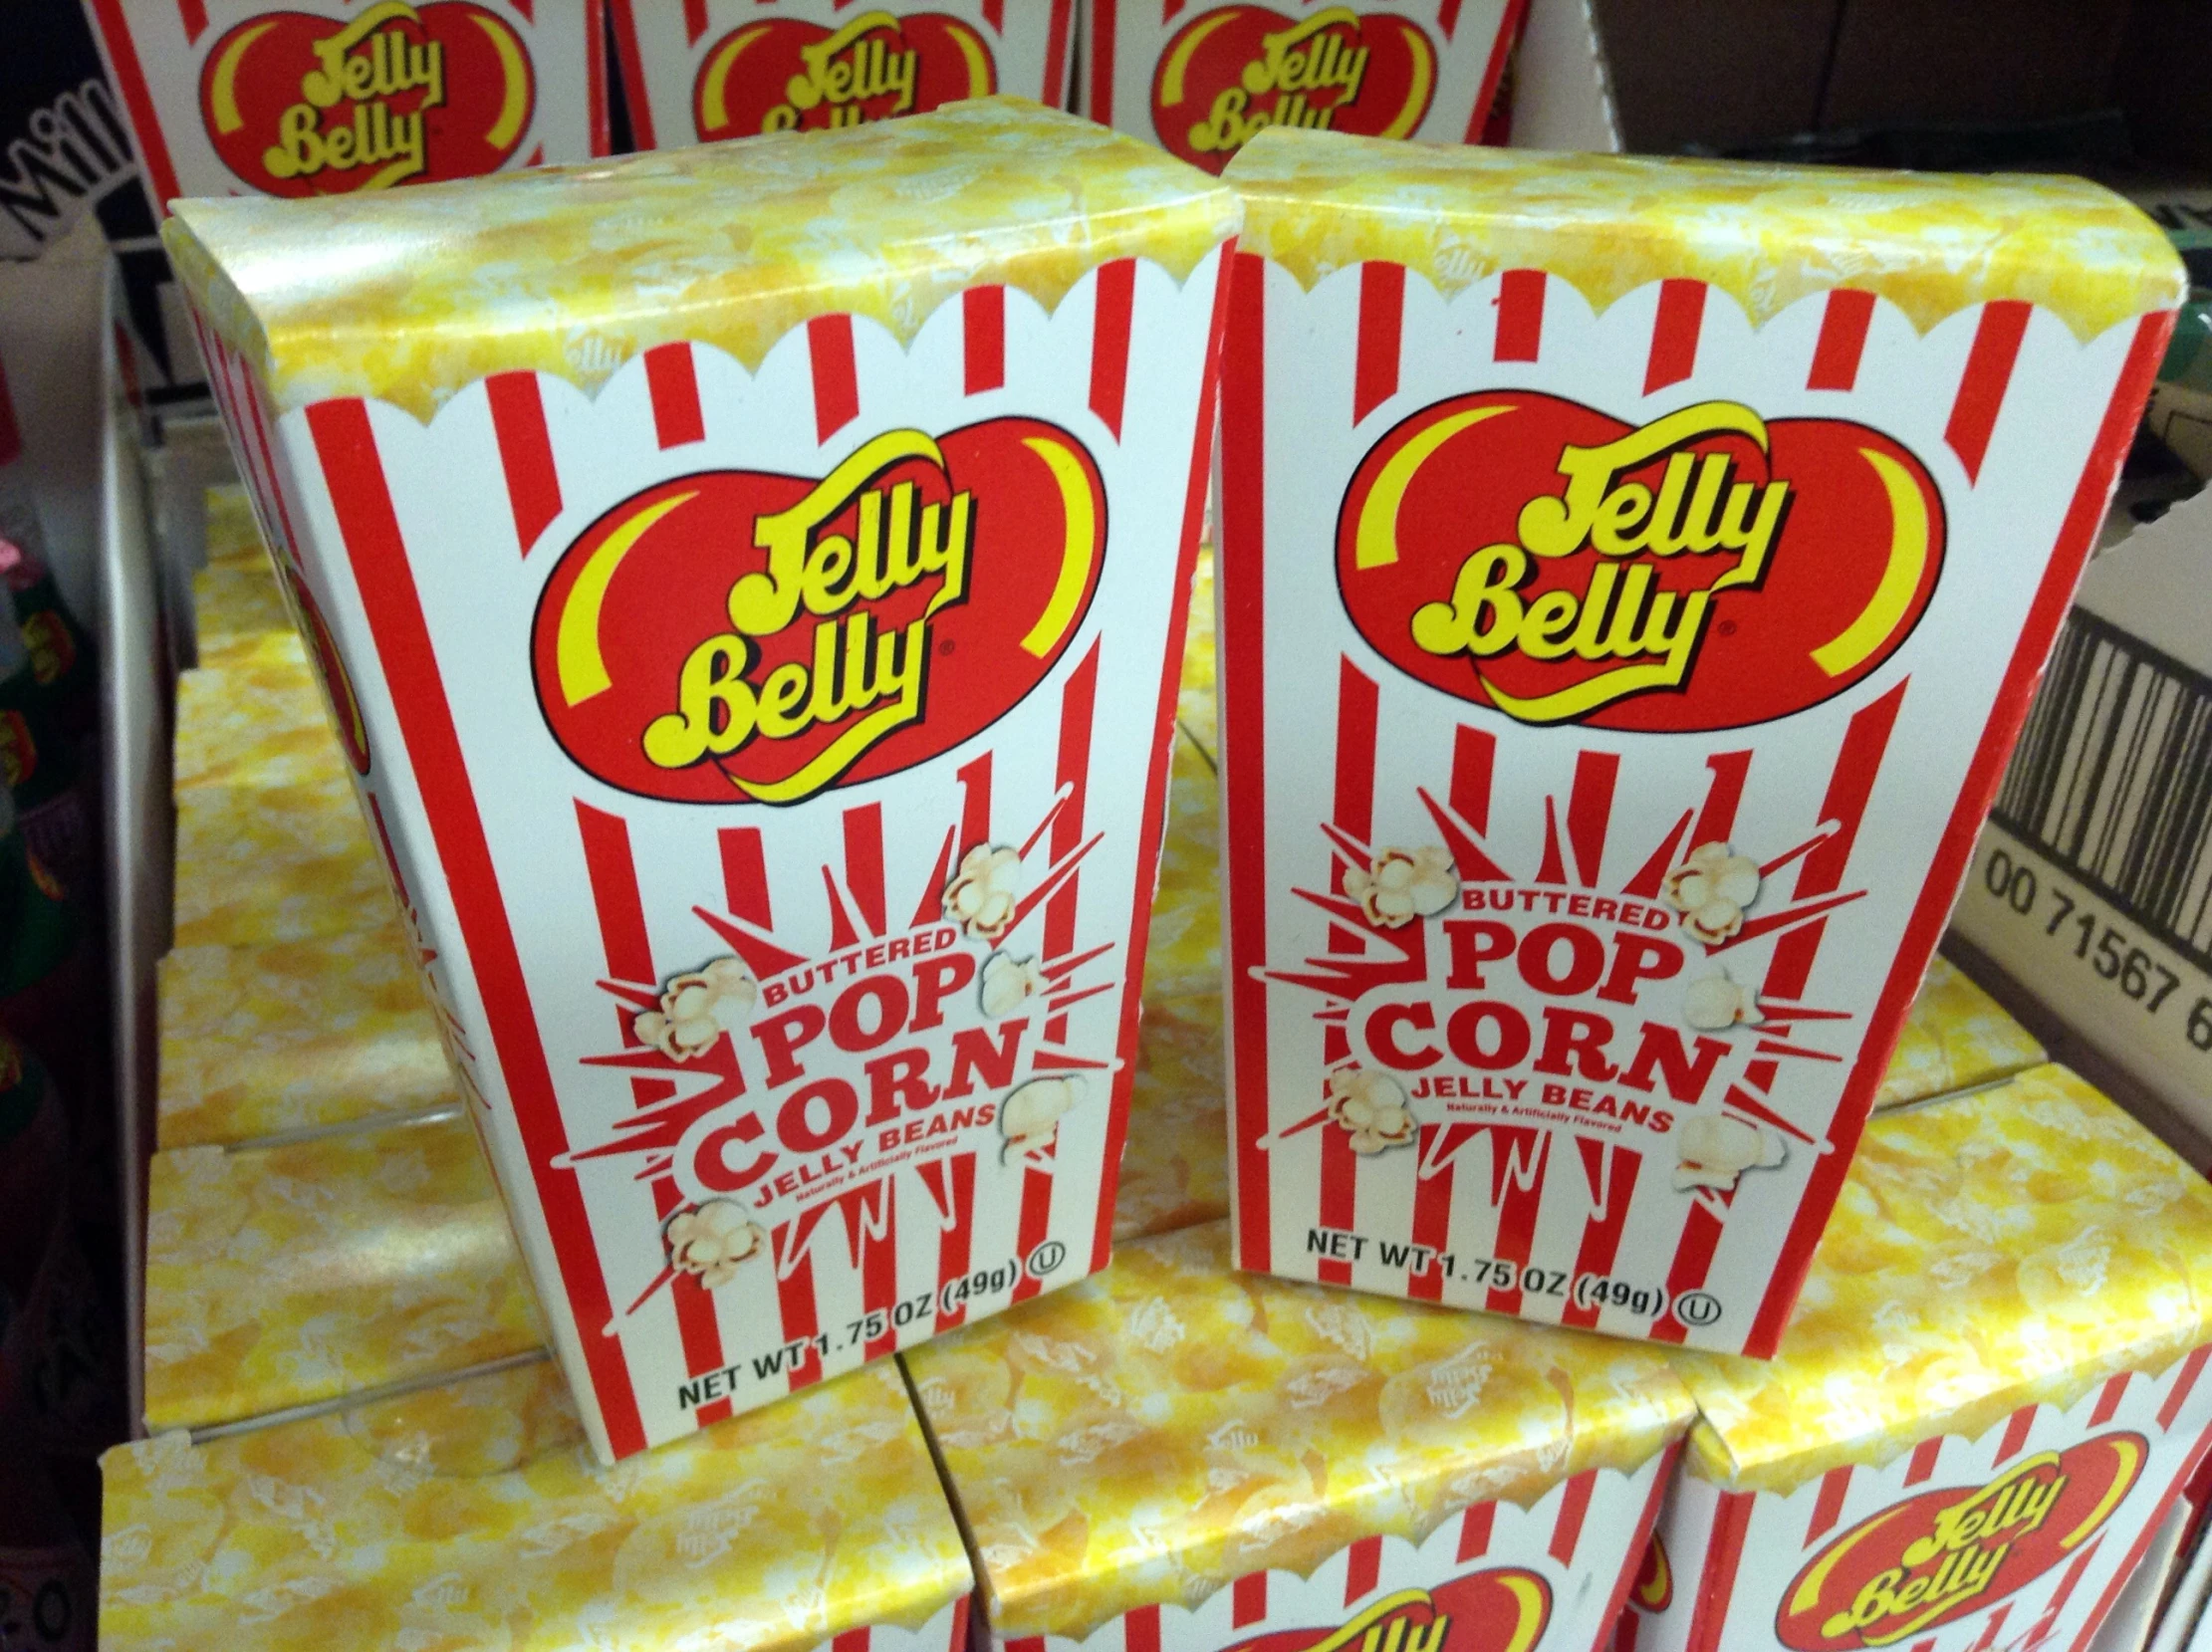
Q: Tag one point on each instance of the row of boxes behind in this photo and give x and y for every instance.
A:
(239, 97)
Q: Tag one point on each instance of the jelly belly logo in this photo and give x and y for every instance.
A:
(1709, 570)
(1654, 1589)
(784, 74)
(1234, 72)
(298, 104)
(1503, 1609)
(738, 634)
(1937, 1557)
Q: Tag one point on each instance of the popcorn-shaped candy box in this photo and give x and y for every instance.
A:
(1955, 1036)
(1633, 574)
(324, 97)
(720, 69)
(471, 1515)
(1989, 1396)
(1202, 80)
(765, 646)
(1177, 1457)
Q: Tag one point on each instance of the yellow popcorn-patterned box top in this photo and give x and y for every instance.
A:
(2014, 1246)
(409, 295)
(254, 712)
(287, 1275)
(1929, 243)
(471, 1515)
(278, 861)
(1169, 1426)
(234, 601)
(263, 1040)
(1956, 1037)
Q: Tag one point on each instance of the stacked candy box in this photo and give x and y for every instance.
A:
(718, 68)
(471, 1515)
(1179, 1457)
(766, 946)
(1986, 1402)
(294, 1275)
(1635, 574)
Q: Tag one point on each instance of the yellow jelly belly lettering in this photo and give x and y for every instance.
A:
(855, 668)
(866, 59)
(361, 69)
(1701, 505)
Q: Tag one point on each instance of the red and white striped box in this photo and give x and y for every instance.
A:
(797, 1021)
(329, 97)
(714, 69)
(1174, 1458)
(1200, 78)
(1989, 1398)
(1575, 896)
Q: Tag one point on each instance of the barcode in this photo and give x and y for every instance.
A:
(2113, 780)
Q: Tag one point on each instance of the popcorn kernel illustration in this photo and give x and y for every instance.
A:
(697, 1009)
(980, 897)
(1008, 981)
(1404, 885)
(1713, 1003)
(1715, 1150)
(711, 1239)
(1373, 1109)
(1711, 890)
(1030, 1117)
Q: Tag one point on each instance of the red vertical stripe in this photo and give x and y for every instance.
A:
(524, 452)
(601, 138)
(1574, 1506)
(1474, 761)
(1828, 1507)
(612, 873)
(1362, 1567)
(1248, 1605)
(1474, 1530)
(1140, 1629)
(1693, 1257)
(2109, 1398)
(1432, 1217)
(1056, 53)
(613, 879)
(2184, 1382)
(1374, 378)
(1989, 365)
(794, 1303)
(1988, 1636)
(193, 14)
(674, 383)
(864, 863)
(837, 380)
(1116, 301)
(1923, 1460)
(1601, 1248)
(1340, 1182)
(1447, 19)
(994, 13)
(983, 330)
(1589, 810)
(745, 875)
(346, 448)
(2016, 1432)
(1099, 44)
(634, 69)
(1640, 1544)
(1674, 333)
(1493, 72)
(1071, 772)
(1843, 340)
(1034, 1227)
(879, 1261)
(853, 1640)
(1517, 1189)
(694, 20)
(954, 1241)
(1724, 1550)
(1243, 739)
(1520, 316)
